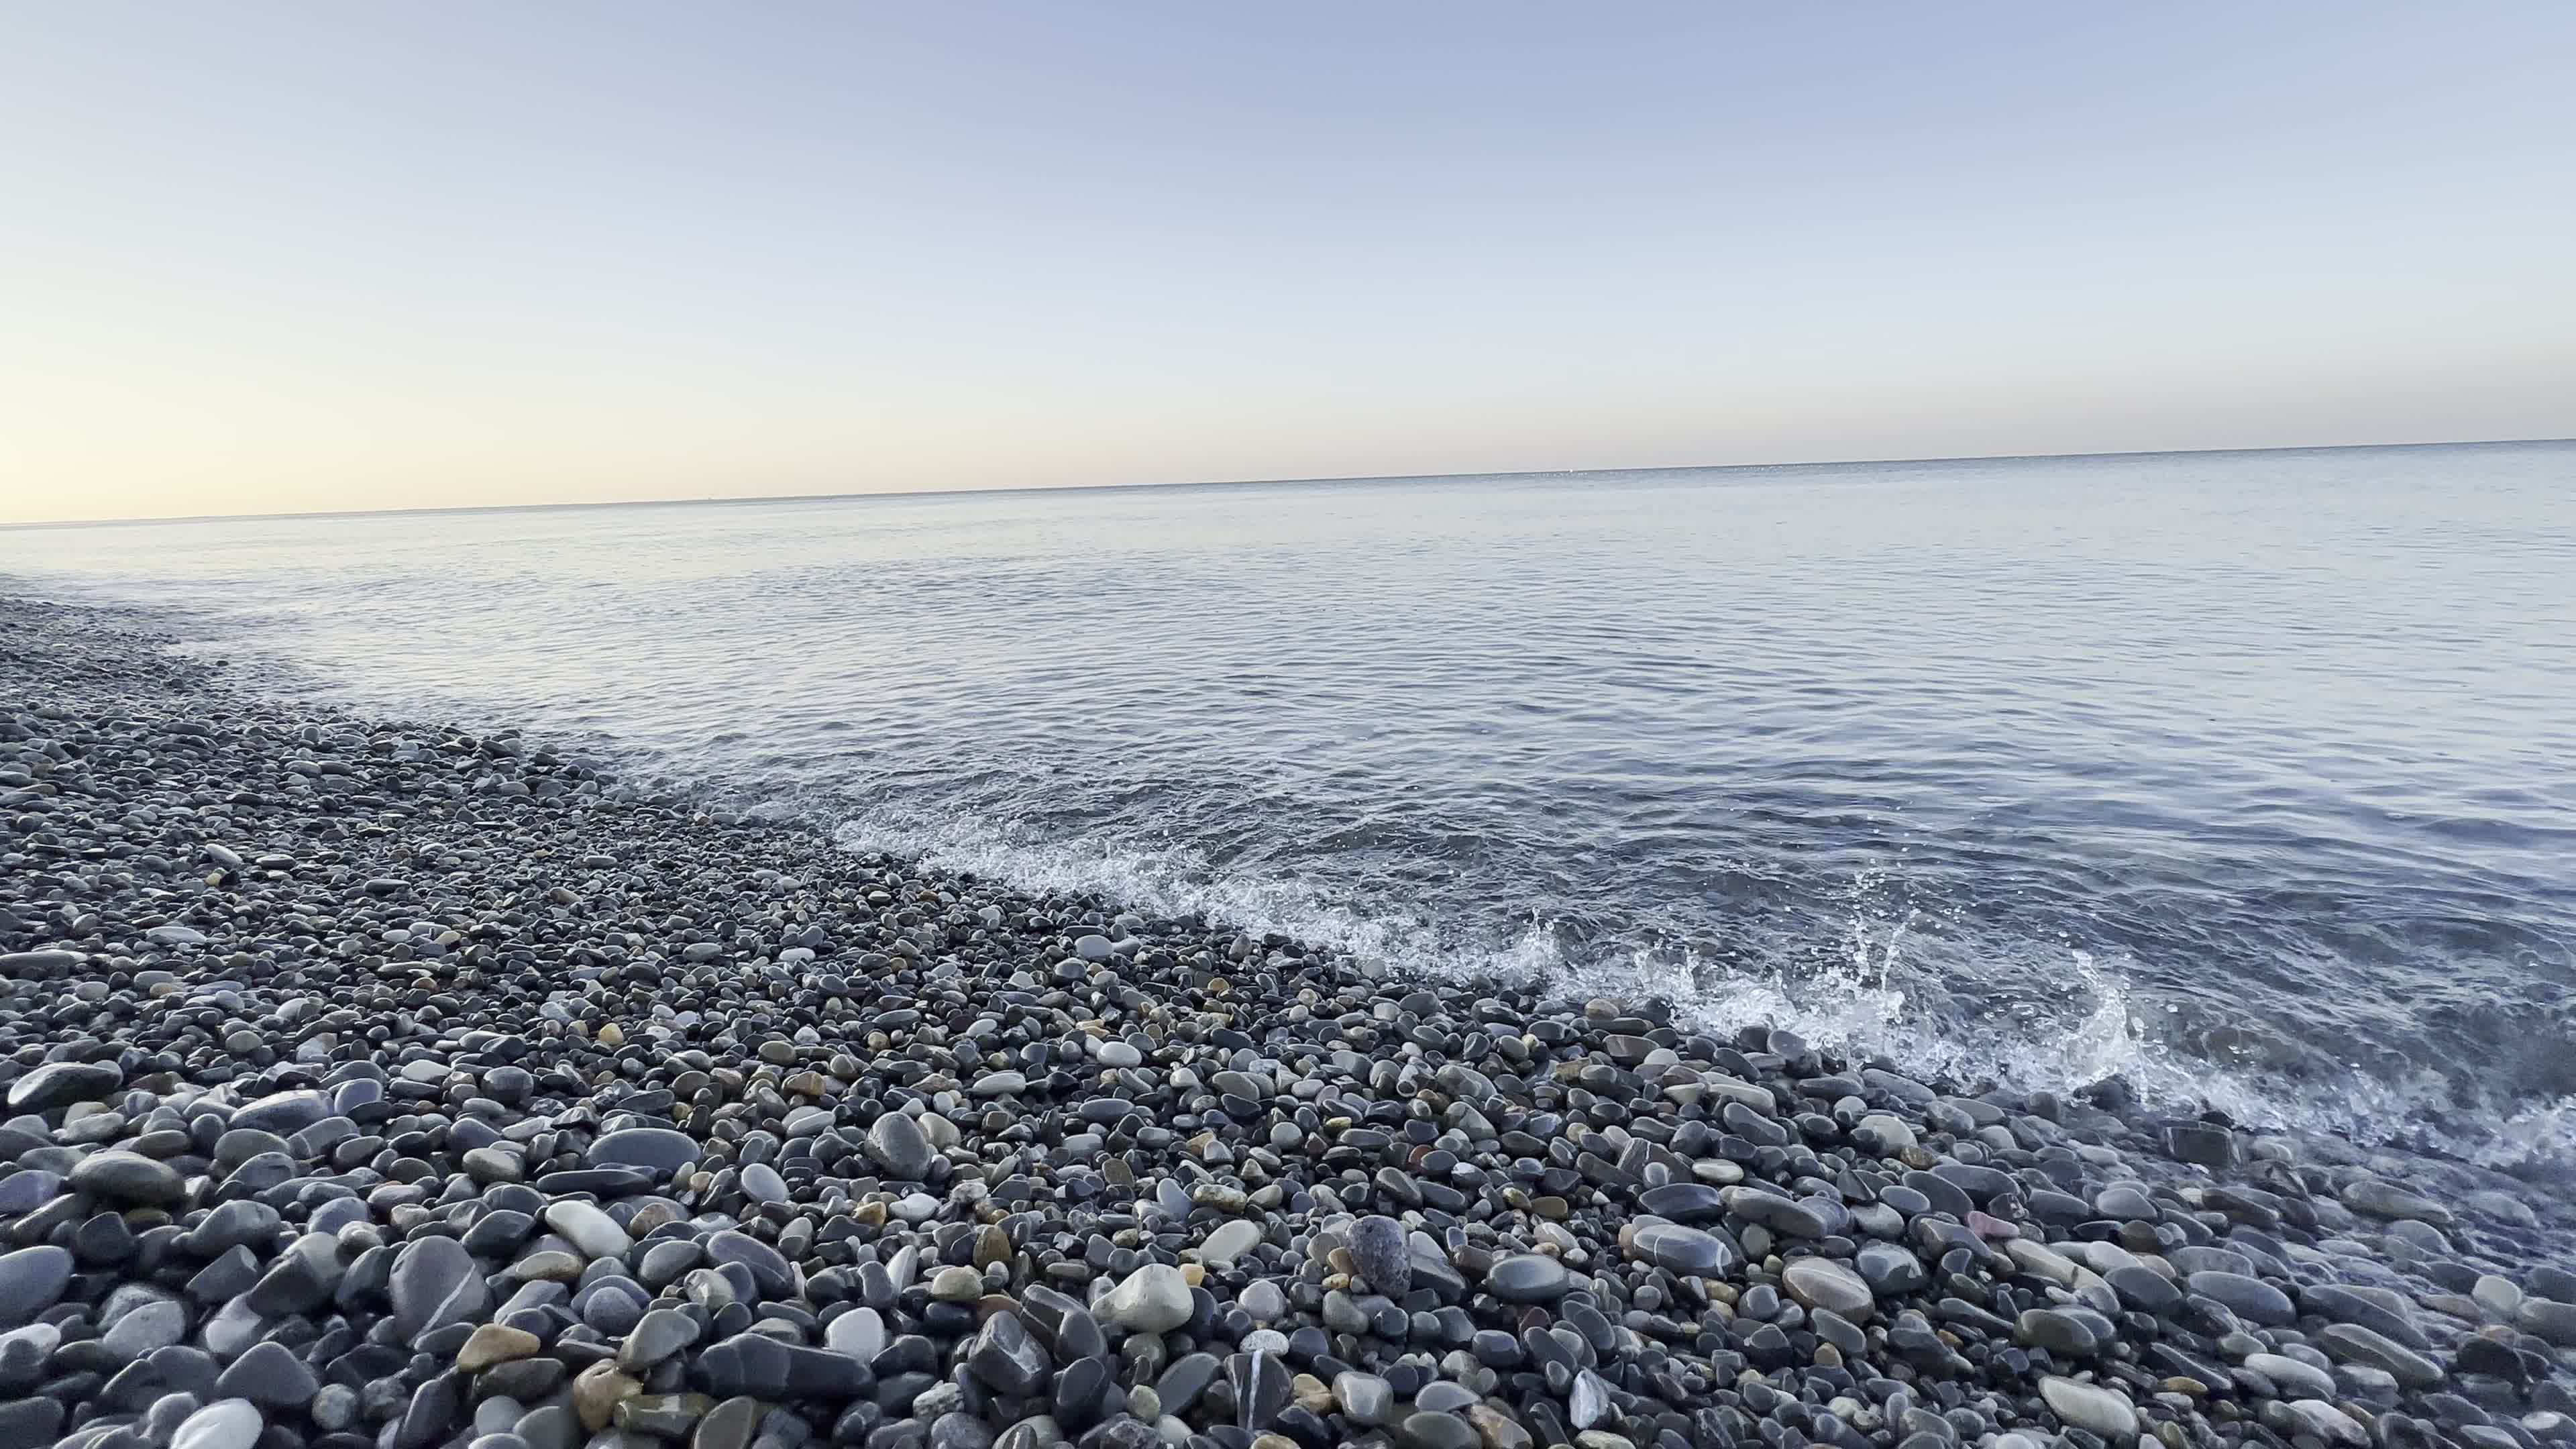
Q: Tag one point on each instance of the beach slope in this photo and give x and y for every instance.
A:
(392, 1084)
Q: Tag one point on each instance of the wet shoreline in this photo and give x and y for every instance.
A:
(383, 1083)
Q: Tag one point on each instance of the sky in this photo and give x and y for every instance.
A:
(264, 257)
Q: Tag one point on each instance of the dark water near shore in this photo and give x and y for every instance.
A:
(2249, 776)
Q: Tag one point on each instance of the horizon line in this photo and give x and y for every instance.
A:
(716, 500)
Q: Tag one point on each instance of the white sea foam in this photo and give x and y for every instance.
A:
(2538, 1136)
(1854, 1005)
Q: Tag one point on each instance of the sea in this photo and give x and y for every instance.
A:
(2247, 779)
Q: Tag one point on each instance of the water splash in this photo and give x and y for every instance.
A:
(1853, 1000)
(2541, 1137)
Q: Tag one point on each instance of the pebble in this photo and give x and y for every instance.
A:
(1432, 1430)
(859, 1333)
(1528, 1278)
(31, 1279)
(2304, 1380)
(2247, 1297)
(224, 1424)
(656, 1336)
(1152, 1299)
(271, 1376)
(2060, 1332)
(2352, 1343)
(434, 1282)
(762, 1184)
(657, 1150)
(1231, 1240)
(584, 1226)
(127, 1177)
(899, 1147)
(1821, 1283)
(1262, 1301)
(2547, 1318)
(1782, 1215)
(1366, 1398)
(492, 1343)
(1378, 1248)
(1006, 1358)
(1684, 1250)
(59, 1084)
(2090, 1407)
(154, 1325)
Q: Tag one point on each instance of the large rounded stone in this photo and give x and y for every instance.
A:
(435, 1283)
(129, 1177)
(1432, 1430)
(1687, 1251)
(859, 1333)
(1785, 1216)
(2386, 1200)
(1153, 1299)
(2547, 1318)
(657, 1150)
(223, 1424)
(283, 1113)
(156, 1324)
(60, 1084)
(31, 1281)
(1232, 1239)
(898, 1146)
(2091, 1407)
(2295, 1379)
(2143, 1289)
(2352, 1343)
(2062, 1332)
(1684, 1202)
(1890, 1269)
(1378, 1247)
(1825, 1284)
(271, 1376)
(655, 1337)
(2247, 1297)
(1006, 1357)
(586, 1227)
(1528, 1278)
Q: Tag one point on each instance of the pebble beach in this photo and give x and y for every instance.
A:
(381, 1084)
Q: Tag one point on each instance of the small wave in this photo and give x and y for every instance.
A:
(1855, 1004)
(1174, 882)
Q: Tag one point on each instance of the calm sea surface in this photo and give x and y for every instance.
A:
(2249, 776)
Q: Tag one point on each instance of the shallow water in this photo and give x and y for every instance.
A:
(2249, 776)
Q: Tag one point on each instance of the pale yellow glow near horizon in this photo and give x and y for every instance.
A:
(228, 455)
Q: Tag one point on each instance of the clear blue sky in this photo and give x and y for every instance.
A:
(264, 256)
